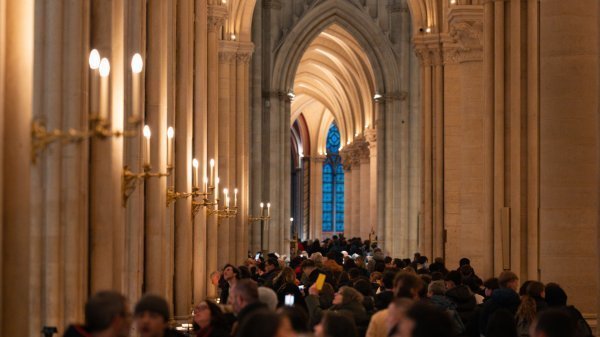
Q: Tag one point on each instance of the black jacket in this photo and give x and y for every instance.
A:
(383, 299)
(465, 302)
(76, 331)
(290, 289)
(503, 298)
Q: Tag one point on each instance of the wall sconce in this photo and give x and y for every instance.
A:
(263, 218)
(99, 126)
(227, 211)
(129, 181)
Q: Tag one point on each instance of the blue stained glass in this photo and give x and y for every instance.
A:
(333, 183)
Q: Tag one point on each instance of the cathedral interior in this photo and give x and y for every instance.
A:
(147, 143)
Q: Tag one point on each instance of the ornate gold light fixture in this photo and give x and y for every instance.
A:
(99, 126)
(263, 218)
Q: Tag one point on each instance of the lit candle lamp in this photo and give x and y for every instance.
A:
(137, 64)
(212, 172)
(170, 135)
(268, 209)
(226, 194)
(104, 72)
(94, 74)
(205, 184)
(262, 209)
(146, 154)
(195, 173)
(235, 192)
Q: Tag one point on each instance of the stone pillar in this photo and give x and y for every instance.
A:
(226, 165)
(201, 282)
(183, 159)
(216, 18)
(16, 76)
(357, 196)
(568, 40)
(316, 197)
(346, 154)
(366, 220)
(371, 138)
(242, 125)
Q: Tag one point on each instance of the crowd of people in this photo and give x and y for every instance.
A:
(349, 288)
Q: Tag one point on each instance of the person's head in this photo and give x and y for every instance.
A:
(208, 313)
(336, 324)
(523, 288)
(108, 311)
(271, 264)
(490, 285)
(230, 272)
(261, 323)
(346, 295)
(508, 279)
(267, 296)
(244, 292)
(407, 285)
(308, 266)
(552, 323)
(536, 289)
(376, 277)
(397, 312)
(453, 279)
(326, 295)
(364, 287)
(151, 316)
(387, 281)
(214, 278)
(425, 320)
(436, 288)
(464, 262)
(286, 275)
(297, 317)
(555, 295)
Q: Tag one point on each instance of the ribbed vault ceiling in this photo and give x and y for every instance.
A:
(335, 78)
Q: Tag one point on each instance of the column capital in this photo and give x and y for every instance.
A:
(371, 136)
(216, 17)
(464, 41)
(227, 50)
(244, 52)
(428, 49)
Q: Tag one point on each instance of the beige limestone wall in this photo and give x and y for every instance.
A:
(569, 141)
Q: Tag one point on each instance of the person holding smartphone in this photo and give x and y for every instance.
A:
(285, 284)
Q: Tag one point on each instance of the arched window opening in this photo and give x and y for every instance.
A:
(333, 184)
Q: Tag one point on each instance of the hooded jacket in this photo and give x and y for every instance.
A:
(503, 298)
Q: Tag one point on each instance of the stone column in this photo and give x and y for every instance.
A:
(242, 125)
(366, 219)
(201, 282)
(316, 197)
(216, 19)
(371, 138)
(357, 195)
(16, 75)
(183, 158)
(569, 147)
(346, 154)
(226, 165)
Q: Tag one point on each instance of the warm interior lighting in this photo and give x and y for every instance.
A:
(137, 64)
(104, 67)
(233, 37)
(170, 132)
(428, 30)
(147, 132)
(195, 164)
(291, 219)
(94, 59)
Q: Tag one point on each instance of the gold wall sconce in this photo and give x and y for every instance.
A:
(264, 217)
(99, 126)
(130, 179)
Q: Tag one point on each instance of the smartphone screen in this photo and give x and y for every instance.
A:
(289, 300)
(320, 282)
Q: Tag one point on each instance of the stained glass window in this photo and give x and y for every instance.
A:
(333, 184)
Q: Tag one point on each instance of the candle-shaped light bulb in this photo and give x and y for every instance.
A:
(212, 172)
(262, 209)
(205, 184)
(195, 173)
(291, 219)
(268, 209)
(137, 64)
(104, 67)
(226, 194)
(262, 205)
(146, 154)
(170, 134)
(235, 192)
(94, 59)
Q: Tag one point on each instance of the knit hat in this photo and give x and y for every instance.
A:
(153, 303)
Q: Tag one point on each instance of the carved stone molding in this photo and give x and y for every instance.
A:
(244, 52)
(430, 53)
(243, 57)
(465, 35)
(227, 51)
(371, 137)
(216, 17)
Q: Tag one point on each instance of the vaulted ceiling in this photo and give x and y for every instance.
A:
(334, 81)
